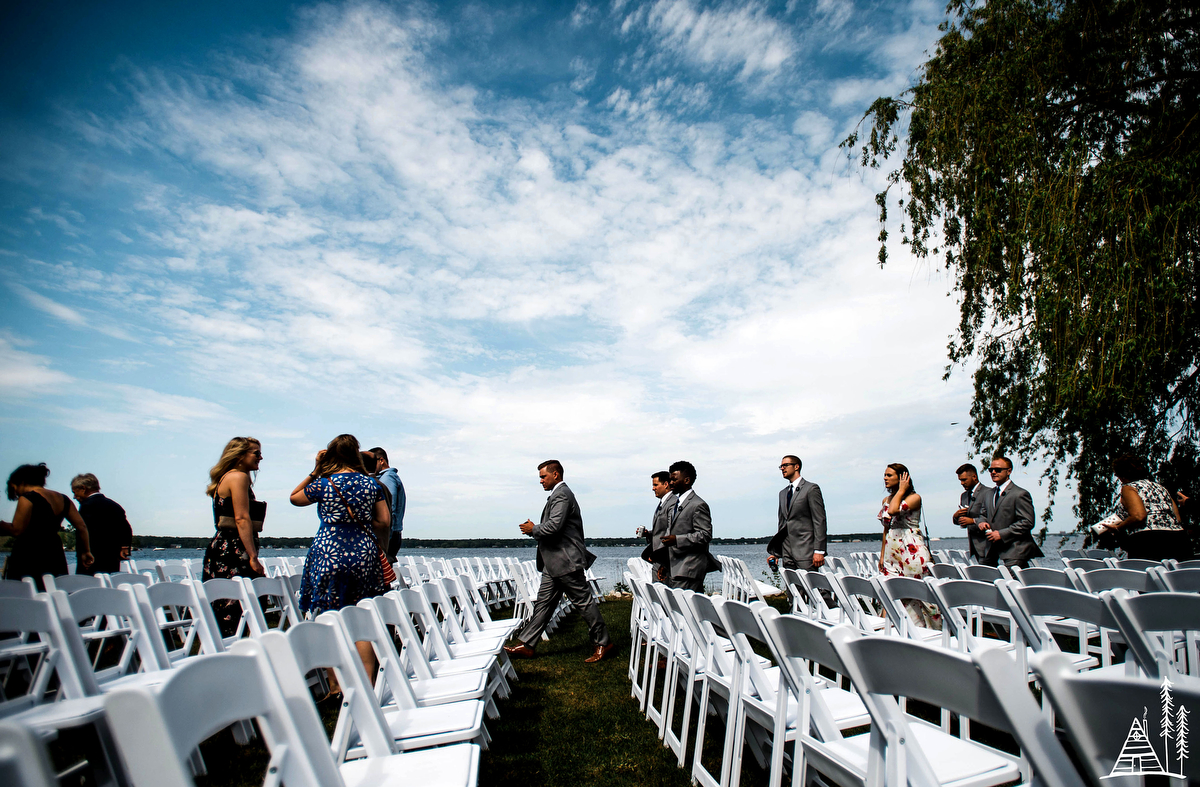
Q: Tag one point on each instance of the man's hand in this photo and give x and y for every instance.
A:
(772, 563)
(993, 535)
(87, 560)
(818, 560)
(527, 527)
(960, 519)
(662, 574)
(668, 540)
(125, 553)
(984, 526)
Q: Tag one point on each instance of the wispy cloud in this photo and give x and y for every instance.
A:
(51, 307)
(619, 282)
(736, 36)
(24, 374)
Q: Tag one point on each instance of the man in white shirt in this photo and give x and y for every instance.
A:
(800, 539)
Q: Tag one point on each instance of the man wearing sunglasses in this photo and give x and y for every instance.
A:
(1008, 518)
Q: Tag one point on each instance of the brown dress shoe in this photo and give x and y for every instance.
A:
(520, 651)
(600, 652)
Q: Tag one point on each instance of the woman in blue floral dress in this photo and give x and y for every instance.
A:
(342, 567)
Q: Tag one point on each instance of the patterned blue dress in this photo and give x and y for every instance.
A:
(342, 567)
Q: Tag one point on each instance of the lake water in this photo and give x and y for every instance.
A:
(611, 562)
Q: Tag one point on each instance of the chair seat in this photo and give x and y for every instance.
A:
(954, 760)
(452, 766)
(458, 666)
(47, 719)
(450, 688)
(415, 728)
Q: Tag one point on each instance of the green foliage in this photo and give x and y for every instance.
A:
(1049, 160)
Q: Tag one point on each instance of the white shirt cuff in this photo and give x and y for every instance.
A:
(818, 552)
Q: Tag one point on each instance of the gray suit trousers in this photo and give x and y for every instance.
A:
(575, 585)
(687, 583)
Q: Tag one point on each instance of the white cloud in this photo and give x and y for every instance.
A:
(617, 284)
(735, 36)
(51, 307)
(24, 374)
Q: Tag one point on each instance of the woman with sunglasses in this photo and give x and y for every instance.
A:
(233, 551)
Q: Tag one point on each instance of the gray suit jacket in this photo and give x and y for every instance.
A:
(561, 549)
(974, 503)
(692, 528)
(801, 526)
(1013, 519)
(655, 552)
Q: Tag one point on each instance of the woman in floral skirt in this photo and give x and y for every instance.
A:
(904, 553)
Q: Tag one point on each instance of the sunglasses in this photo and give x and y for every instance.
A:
(997, 469)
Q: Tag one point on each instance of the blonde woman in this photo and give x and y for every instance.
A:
(233, 551)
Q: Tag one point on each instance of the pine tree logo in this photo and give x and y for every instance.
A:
(1138, 756)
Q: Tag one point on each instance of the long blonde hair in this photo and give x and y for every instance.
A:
(235, 449)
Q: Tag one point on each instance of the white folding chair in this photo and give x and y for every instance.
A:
(23, 758)
(392, 612)
(69, 583)
(363, 624)
(906, 750)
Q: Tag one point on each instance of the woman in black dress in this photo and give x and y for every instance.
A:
(238, 517)
(36, 547)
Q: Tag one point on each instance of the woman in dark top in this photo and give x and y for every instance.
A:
(233, 551)
(36, 547)
(342, 566)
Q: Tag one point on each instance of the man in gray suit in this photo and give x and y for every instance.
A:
(562, 557)
(655, 552)
(689, 529)
(970, 512)
(800, 539)
(1008, 518)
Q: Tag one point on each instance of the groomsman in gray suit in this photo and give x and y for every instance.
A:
(655, 552)
(1008, 518)
(800, 539)
(970, 512)
(689, 529)
(562, 557)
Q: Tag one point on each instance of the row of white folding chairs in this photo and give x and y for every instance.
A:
(490, 575)
(710, 649)
(157, 724)
(1161, 629)
(192, 595)
(736, 581)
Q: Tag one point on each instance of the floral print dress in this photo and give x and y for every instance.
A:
(342, 567)
(905, 555)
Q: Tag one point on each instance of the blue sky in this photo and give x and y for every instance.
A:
(480, 235)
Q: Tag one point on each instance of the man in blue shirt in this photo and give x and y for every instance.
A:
(386, 475)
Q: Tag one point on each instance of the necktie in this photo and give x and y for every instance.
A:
(996, 499)
(789, 497)
(675, 514)
(659, 508)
